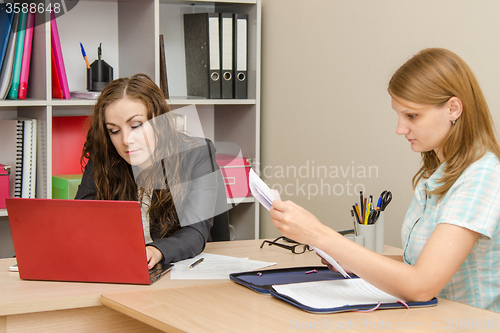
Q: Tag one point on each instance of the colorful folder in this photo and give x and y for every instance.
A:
(5, 31)
(58, 57)
(18, 59)
(8, 61)
(56, 83)
(272, 282)
(25, 67)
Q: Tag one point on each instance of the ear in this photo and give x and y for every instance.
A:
(456, 107)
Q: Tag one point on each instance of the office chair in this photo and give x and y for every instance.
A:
(220, 228)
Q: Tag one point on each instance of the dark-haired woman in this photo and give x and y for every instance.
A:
(135, 153)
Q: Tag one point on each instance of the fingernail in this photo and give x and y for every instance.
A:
(149, 266)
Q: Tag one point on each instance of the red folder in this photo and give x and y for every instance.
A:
(25, 67)
(58, 57)
(56, 85)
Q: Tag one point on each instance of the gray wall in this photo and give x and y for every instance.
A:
(325, 69)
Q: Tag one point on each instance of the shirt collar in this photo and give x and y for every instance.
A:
(432, 182)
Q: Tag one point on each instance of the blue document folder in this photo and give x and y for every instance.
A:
(264, 280)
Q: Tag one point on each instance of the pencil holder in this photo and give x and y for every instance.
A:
(99, 75)
(379, 233)
(368, 232)
(356, 239)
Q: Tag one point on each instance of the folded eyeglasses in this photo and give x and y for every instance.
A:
(296, 248)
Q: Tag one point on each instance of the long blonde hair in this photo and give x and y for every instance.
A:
(432, 77)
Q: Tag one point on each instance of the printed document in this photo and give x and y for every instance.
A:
(335, 293)
(266, 196)
(214, 266)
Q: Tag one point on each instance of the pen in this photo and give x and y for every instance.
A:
(367, 213)
(199, 261)
(361, 211)
(355, 223)
(365, 205)
(84, 55)
(358, 214)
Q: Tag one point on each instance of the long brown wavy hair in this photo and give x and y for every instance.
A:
(432, 77)
(114, 177)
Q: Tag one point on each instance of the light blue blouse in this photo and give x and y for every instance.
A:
(473, 202)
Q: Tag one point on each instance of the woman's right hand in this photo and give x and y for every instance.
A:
(297, 223)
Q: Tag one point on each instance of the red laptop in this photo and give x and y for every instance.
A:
(80, 240)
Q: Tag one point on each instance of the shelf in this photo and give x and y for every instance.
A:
(204, 101)
(26, 102)
(240, 200)
(132, 48)
(72, 102)
(91, 102)
(230, 201)
(210, 2)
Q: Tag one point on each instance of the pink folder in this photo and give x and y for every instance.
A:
(25, 67)
(56, 46)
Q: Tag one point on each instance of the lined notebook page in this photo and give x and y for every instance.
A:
(334, 293)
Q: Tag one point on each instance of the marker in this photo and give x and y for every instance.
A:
(199, 261)
(84, 55)
(367, 213)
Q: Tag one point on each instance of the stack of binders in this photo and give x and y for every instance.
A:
(216, 47)
(16, 35)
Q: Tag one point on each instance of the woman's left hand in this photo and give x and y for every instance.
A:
(296, 223)
(154, 256)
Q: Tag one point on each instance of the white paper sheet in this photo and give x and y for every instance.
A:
(266, 196)
(214, 267)
(261, 191)
(335, 293)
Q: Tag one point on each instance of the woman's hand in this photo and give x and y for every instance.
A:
(296, 223)
(154, 256)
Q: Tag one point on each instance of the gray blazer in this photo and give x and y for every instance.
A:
(199, 165)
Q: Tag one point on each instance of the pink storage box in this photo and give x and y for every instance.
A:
(235, 172)
(4, 184)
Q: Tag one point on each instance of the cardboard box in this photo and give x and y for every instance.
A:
(235, 172)
(4, 184)
(65, 186)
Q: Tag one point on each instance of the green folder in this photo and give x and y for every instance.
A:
(65, 186)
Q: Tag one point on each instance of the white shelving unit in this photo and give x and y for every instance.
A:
(129, 32)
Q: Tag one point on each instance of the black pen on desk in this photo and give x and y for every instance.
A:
(199, 261)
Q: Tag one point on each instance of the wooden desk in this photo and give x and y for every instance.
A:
(234, 308)
(229, 307)
(28, 306)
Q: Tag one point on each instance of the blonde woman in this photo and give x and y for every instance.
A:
(451, 232)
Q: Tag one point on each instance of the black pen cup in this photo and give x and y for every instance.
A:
(99, 75)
